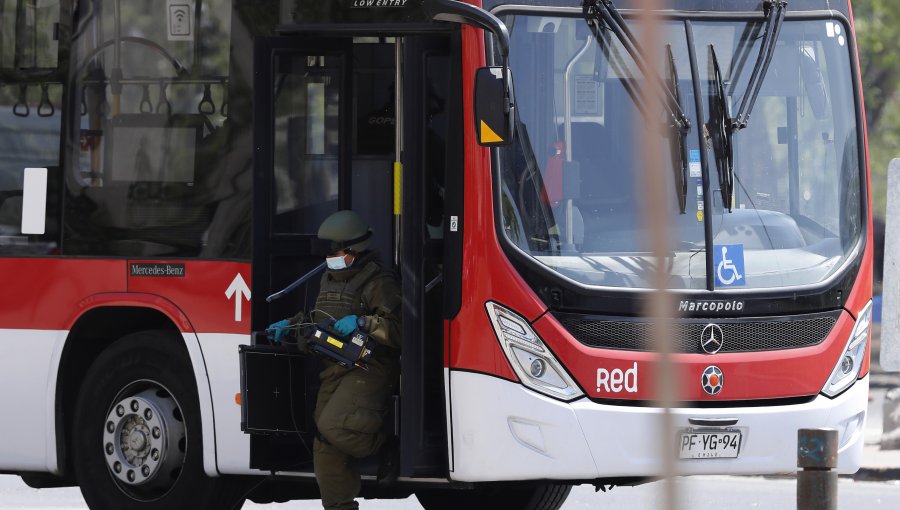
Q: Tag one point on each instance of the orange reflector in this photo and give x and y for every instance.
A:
(237, 398)
(488, 135)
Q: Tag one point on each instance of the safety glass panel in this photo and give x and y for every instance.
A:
(28, 35)
(306, 144)
(572, 192)
(797, 194)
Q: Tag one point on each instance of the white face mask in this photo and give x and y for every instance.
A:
(337, 263)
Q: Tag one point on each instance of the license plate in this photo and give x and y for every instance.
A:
(720, 444)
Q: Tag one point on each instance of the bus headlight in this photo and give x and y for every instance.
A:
(532, 361)
(846, 371)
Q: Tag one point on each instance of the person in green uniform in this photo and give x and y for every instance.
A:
(358, 293)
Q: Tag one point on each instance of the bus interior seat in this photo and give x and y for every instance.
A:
(606, 151)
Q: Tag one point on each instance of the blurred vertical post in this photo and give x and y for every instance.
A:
(817, 457)
(653, 183)
(890, 320)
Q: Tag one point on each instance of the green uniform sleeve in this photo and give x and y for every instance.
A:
(382, 298)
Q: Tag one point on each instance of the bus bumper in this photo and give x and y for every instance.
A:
(504, 431)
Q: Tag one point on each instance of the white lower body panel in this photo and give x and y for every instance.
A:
(28, 400)
(503, 431)
(232, 445)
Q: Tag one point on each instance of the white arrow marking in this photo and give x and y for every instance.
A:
(237, 289)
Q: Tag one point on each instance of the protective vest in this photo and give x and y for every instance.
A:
(341, 298)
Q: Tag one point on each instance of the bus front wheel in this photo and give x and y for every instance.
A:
(511, 496)
(137, 442)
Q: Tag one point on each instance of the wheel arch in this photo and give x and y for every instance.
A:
(101, 321)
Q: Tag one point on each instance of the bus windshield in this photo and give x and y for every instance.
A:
(570, 190)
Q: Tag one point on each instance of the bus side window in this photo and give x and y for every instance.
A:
(148, 146)
(30, 125)
(28, 42)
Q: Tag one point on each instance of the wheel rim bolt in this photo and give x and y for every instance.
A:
(120, 410)
(145, 471)
(110, 427)
(156, 433)
(117, 467)
(109, 449)
(130, 475)
(135, 405)
(154, 454)
(148, 414)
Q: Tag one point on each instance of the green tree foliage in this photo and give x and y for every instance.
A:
(877, 26)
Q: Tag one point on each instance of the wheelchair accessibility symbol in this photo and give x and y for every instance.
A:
(729, 262)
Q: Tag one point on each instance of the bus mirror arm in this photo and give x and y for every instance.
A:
(454, 11)
(465, 14)
(298, 282)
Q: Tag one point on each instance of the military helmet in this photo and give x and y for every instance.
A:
(346, 230)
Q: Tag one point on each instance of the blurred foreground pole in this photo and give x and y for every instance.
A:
(660, 303)
(817, 458)
(890, 289)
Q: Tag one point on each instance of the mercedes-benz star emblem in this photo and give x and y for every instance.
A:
(711, 339)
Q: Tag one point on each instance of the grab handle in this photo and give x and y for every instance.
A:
(206, 106)
(45, 107)
(21, 108)
(146, 106)
(163, 100)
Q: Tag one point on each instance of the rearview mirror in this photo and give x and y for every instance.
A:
(494, 112)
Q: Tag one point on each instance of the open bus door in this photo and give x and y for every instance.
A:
(301, 92)
(327, 130)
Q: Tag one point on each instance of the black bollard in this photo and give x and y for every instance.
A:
(817, 459)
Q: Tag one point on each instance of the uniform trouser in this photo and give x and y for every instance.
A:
(349, 414)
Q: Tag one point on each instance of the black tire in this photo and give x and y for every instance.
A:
(508, 496)
(159, 445)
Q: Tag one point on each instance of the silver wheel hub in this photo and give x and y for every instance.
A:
(142, 435)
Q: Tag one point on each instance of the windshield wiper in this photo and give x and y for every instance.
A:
(725, 125)
(604, 12)
(678, 150)
(721, 133)
(775, 10)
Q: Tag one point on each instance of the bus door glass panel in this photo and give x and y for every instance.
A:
(149, 135)
(797, 187)
(308, 154)
(374, 149)
(306, 141)
(30, 127)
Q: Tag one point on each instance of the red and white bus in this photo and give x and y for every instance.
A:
(164, 167)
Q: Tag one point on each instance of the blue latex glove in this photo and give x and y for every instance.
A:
(278, 330)
(346, 325)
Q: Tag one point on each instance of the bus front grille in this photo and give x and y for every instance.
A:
(751, 334)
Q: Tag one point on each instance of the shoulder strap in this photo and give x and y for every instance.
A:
(359, 281)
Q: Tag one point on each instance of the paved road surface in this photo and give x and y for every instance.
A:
(697, 493)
